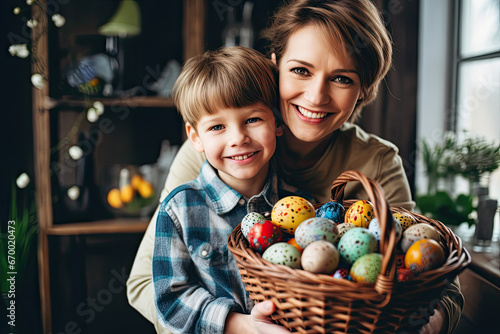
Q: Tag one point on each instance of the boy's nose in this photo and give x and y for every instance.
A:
(238, 137)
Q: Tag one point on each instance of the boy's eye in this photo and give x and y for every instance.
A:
(343, 80)
(300, 71)
(216, 127)
(253, 120)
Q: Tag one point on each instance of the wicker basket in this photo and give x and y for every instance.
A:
(316, 303)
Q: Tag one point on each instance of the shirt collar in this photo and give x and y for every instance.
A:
(224, 199)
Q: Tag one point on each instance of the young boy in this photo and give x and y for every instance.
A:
(226, 98)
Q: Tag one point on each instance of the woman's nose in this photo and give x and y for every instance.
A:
(316, 92)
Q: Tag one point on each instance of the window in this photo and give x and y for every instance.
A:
(476, 69)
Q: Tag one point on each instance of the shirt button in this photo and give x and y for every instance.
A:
(241, 201)
(204, 253)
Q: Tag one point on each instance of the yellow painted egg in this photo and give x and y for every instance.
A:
(405, 219)
(290, 211)
(360, 213)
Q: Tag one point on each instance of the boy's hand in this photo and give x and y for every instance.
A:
(261, 320)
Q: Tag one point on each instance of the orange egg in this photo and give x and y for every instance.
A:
(424, 255)
(145, 189)
(126, 193)
(114, 199)
(295, 244)
(360, 213)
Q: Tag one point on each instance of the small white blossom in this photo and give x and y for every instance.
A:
(74, 193)
(58, 20)
(17, 10)
(99, 107)
(22, 181)
(20, 50)
(29, 2)
(75, 152)
(92, 115)
(38, 81)
(32, 23)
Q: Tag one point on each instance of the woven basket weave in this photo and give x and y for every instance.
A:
(316, 303)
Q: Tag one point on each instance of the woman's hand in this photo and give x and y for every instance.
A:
(436, 322)
(261, 320)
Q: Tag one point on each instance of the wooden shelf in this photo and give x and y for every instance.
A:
(140, 101)
(118, 225)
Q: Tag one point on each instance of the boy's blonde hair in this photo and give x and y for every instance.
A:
(230, 77)
(354, 29)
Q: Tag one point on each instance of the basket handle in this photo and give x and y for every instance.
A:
(384, 284)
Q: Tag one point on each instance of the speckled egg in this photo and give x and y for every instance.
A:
(264, 234)
(315, 228)
(283, 253)
(249, 220)
(355, 243)
(366, 268)
(360, 213)
(320, 257)
(423, 255)
(343, 228)
(374, 229)
(341, 273)
(418, 232)
(331, 210)
(405, 219)
(290, 211)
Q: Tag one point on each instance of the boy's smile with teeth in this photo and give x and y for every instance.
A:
(242, 157)
(311, 114)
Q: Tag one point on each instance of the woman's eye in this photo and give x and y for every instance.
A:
(253, 120)
(216, 128)
(300, 71)
(343, 80)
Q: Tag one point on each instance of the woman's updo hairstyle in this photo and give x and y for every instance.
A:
(355, 24)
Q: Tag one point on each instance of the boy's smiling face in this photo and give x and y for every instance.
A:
(238, 142)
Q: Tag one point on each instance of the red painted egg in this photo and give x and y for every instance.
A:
(264, 234)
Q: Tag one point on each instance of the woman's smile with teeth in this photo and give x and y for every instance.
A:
(242, 157)
(311, 114)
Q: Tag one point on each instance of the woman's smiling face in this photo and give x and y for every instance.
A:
(318, 88)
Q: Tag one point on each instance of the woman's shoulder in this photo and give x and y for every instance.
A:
(352, 136)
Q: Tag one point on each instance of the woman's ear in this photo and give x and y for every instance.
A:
(279, 130)
(273, 58)
(194, 138)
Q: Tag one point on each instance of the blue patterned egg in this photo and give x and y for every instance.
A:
(249, 220)
(331, 210)
(283, 253)
(314, 229)
(366, 268)
(355, 243)
(374, 229)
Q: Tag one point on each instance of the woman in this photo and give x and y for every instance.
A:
(332, 56)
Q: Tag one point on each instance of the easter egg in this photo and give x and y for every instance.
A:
(264, 234)
(360, 213)
(418, 232)
(405, 219)
(355, 243)
(404, 274)
(424, 255)
(315, 228)
(320, 257)
(294, 243)
(283, 253)
(290, 211)
(341, 273)
(375, 230)
(343, 228)
(366, 268)
(249, 220)
(331, 210)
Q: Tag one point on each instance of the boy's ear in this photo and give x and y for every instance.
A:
(273, 58)
(194, 138)
(279, 130)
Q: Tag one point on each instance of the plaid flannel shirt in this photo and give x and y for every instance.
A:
(196, 278)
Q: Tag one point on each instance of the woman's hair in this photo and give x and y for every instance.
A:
(231, 77)
(354, 24)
